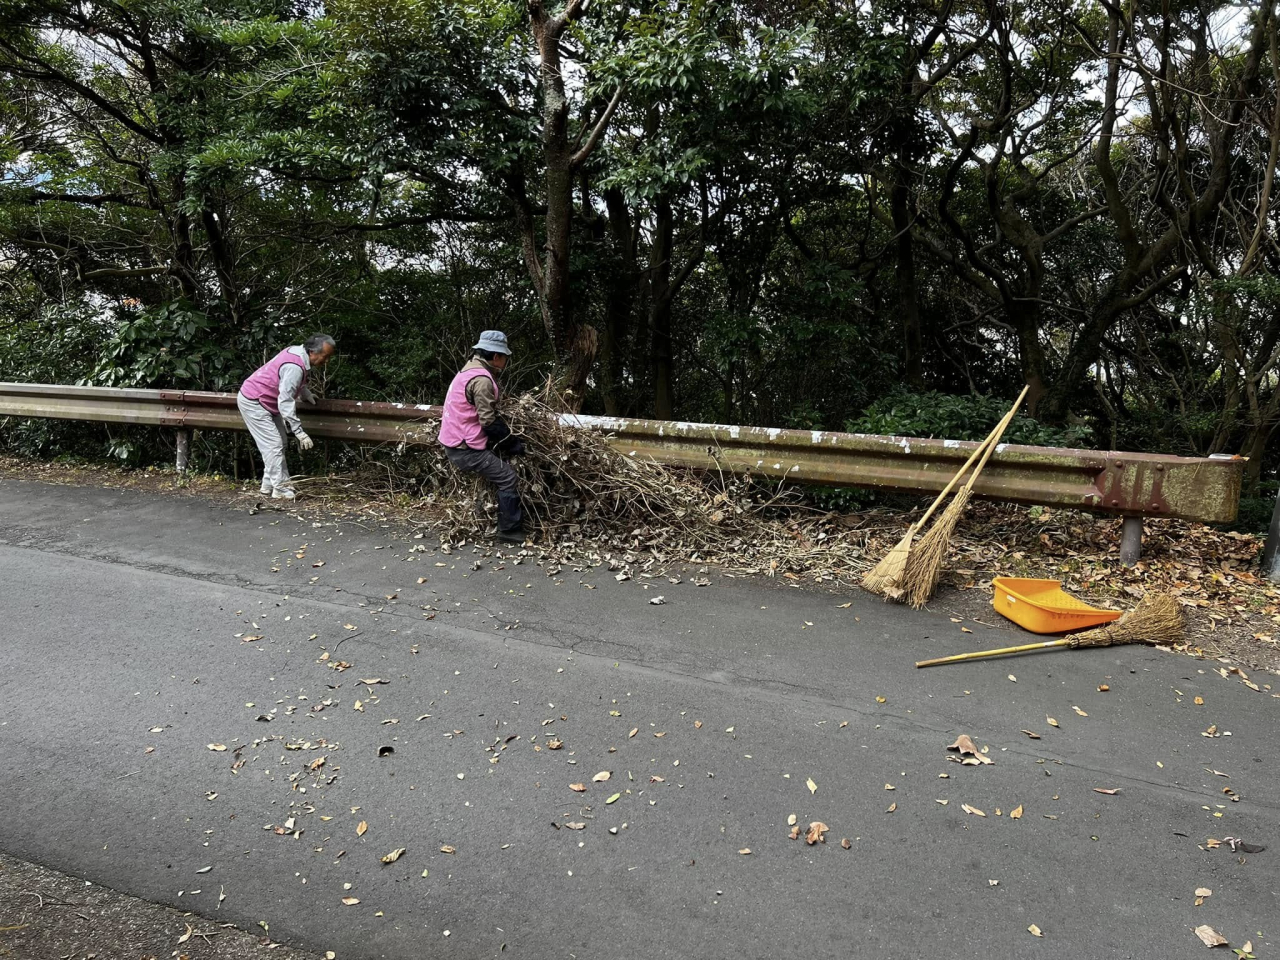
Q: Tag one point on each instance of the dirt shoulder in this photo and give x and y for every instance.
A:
(47, 915)
(1233, 613)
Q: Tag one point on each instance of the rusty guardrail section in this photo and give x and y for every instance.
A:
(1132, 484)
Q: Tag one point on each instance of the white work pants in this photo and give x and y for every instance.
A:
(271, 436)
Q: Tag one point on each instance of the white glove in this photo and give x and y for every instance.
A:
(305, 442)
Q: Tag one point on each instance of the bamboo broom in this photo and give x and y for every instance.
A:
(924, 562)
(884, 576)
(1156, 619)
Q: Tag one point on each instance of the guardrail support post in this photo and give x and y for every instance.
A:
(184, 449)
(1271, 553)
(1131, 541)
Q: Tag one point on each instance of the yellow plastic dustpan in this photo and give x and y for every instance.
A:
(1042, 606)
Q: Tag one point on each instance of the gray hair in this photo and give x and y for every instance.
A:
(316, 343)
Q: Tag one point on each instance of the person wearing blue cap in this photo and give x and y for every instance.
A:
(473, 434)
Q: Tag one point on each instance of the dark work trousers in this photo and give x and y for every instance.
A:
(498, 472)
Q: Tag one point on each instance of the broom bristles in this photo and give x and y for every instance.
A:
(1156, 619)
(924, 564)
(886, 574)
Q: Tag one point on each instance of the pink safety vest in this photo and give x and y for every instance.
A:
(263, 384)
(460, 423)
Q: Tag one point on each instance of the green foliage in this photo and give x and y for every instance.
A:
(943, 416)
(378, 169)
(1255, 512)
(170, 345)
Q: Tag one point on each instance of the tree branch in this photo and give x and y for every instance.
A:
(597, 132)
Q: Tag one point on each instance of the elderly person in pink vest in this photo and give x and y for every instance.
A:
(268, 403)
(471, 430)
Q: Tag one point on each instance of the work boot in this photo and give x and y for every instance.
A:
(510, 516)
(512, 536)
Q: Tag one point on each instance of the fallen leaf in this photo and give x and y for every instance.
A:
(1203, 892)
(892, 807)
(881, 700)
(795, 832)
(943, 802)
(1209, 936)
(1103, 688)
(815, 832)
(576, 825)
(318, 563)
(394, 855)
(1050, 721)
(791, 820)
(845, 843)
(967, 630)
(554, 744)
(187, 936)
(1034, 931)
(697, 724)
(1016, 813)
(350, 901)
(1108, 791)
(361, 827)
(1079, 711)
(745, 851)
(448, 849)
(578, 787)
(813, 787)
(218, 747)
(1033, 736)
(890, 786)
(967, 748)
(601, 777)
(373, 681)
(633, 733)
(1199, 701)
(1013, 678)
(614, 798)
(658, 600)
(974, 810)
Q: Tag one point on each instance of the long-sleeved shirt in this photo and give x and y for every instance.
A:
(480, 392)
(292, 389)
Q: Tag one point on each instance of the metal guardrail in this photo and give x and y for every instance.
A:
(1129, 484)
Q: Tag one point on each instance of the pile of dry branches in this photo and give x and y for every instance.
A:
(581, 495)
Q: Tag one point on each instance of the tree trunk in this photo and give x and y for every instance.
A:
(901, 202)
(660, 310)
(619, 303)
(574, 344)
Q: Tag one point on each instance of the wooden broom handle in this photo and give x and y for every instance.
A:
(992, 439)
(995, 440)
(1003, 651)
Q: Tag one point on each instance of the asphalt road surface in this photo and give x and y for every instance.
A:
(147, 638)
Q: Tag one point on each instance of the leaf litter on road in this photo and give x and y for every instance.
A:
(969, 753)
(816, 833)
(1209, 936)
